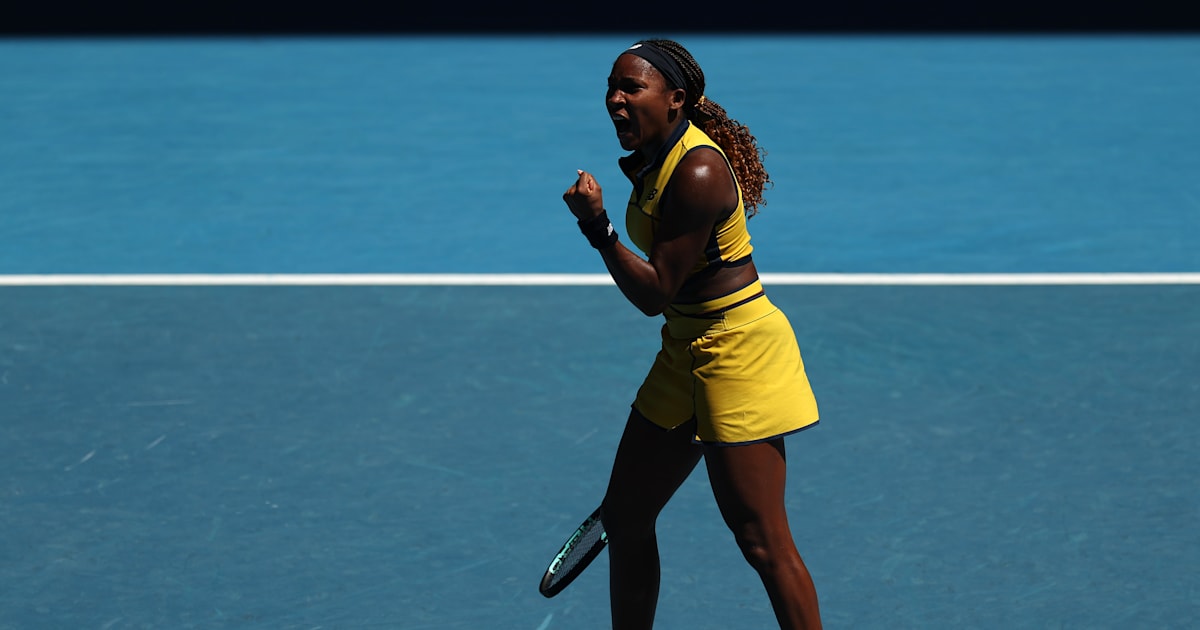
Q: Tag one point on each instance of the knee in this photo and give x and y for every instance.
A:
(624, 523)
(756, 553)
(765, 553)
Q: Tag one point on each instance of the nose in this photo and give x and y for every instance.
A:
(615, 98)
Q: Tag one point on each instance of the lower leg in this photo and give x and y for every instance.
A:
(788, 584)
(633, 582)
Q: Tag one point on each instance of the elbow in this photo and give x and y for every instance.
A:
(648, 296)
(650, 311)
(652, 307)
(649, 305)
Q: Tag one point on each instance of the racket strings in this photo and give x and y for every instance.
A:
(590, 537)
(588, 540)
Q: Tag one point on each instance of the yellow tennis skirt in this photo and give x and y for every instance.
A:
(734, 365)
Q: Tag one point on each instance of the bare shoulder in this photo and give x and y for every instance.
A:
(703, 181)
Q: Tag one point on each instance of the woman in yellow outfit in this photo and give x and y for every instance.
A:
(729, 382)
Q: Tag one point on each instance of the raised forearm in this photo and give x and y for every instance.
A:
(637, 279)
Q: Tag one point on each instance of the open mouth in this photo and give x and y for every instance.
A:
(621, 124)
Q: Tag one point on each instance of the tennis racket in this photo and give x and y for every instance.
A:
(576, 554)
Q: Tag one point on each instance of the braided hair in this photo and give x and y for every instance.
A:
(733, 137)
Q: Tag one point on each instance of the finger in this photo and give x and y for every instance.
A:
(586, 182)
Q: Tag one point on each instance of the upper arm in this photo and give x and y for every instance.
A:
(702, 191)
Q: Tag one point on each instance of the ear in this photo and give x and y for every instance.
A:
(678, 98)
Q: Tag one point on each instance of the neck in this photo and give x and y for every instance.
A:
(650, 150)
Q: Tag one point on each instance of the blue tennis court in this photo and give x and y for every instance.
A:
(292, 454)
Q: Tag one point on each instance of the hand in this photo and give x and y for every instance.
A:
(584, 197)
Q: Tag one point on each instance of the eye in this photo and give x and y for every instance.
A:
(625, 85)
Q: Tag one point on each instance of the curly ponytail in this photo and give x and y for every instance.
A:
(734, 138)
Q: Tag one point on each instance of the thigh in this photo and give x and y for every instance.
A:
(748, 482)
(650, 465)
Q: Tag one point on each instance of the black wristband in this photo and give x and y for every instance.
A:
(599, 230)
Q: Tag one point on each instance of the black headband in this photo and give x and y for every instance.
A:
(663, 62)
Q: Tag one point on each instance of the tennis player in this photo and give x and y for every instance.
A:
(728, 384)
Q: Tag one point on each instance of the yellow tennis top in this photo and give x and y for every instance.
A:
(729, 243)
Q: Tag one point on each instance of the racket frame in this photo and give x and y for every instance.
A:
(548, 586)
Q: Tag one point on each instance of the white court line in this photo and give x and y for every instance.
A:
(551, 279)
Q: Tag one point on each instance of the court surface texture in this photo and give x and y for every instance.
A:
(298, 333)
